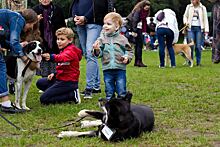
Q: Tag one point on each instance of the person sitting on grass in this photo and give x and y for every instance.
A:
(116, 53)
(63, 87)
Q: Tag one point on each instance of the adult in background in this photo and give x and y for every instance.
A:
(51, 19)
(216, 31)
(153, 36)
(88, 16)
(12, 25)
(167, 34)
(139, 14)
(196, 18)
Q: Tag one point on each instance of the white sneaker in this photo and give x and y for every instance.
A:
(40, 91)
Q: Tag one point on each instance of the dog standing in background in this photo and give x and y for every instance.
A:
(184, 50)
(26, 72)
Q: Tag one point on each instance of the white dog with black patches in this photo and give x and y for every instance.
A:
(26, 71)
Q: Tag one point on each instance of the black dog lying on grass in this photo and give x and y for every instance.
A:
(120, 120)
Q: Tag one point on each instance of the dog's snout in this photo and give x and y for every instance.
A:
(39, 51)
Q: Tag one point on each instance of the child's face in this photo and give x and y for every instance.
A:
(109, 26)
(63, 41)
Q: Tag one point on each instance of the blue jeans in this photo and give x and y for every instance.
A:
(153, 38)
(196, 34)
(115, 81)
(166, 34)
(87, 35)
(3, 77)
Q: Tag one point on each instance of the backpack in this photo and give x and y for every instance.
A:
(160, 16)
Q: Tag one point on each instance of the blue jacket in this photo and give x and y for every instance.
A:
(93, 10)
(11, 26)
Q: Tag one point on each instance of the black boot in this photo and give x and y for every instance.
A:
(141, 64)
(136, 62)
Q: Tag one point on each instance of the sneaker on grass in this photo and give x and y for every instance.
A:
(88, 94)
(94, 91)
(13, 109)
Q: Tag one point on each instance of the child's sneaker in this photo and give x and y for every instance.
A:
(88, 94)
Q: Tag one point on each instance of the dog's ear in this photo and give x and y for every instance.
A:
(128, 96)
(29, 47)
(102, 102)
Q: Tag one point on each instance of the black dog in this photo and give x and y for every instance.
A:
(120, 120)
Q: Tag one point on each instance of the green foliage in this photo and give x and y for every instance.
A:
(124, 7)
(185, 102)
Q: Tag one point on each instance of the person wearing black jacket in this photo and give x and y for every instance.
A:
(139, 13)
(51, 19)
(88, 16)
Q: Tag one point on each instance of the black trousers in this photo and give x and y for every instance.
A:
(57, 91)
(138, 46)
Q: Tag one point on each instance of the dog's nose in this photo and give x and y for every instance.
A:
(39, 51)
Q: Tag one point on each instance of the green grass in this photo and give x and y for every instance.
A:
(186, 103)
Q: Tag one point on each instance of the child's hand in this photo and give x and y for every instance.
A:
(50, 76)
(46, 56)
(124, 59)
(96, 45)
(96, 49)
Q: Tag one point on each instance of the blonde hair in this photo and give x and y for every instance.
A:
(68, 32)
(116, 18)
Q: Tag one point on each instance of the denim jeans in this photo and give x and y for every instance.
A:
(196, 34)
(3, 77)
(115, 81)
(153, 38)
(87, 35)
(166, 34)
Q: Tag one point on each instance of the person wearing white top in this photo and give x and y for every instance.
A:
(195, 17)
(168, 34)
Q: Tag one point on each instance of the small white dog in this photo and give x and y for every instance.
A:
(33, 51)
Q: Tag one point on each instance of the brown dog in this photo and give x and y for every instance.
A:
(184, 50)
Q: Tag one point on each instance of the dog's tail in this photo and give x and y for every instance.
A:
(191, 43)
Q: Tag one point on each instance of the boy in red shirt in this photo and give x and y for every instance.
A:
(64, 86)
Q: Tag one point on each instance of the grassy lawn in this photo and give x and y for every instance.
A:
(186, 103)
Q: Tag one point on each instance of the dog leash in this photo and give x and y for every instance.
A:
(42, 129)
(26, 67)
(63, 126)
(184, 28)
(11, 123)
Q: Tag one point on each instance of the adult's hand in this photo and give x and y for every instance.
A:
(79, 20)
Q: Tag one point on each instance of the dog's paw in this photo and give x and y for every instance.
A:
(26, 108)
(68, 134)
(17, 105)
(83, 113)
